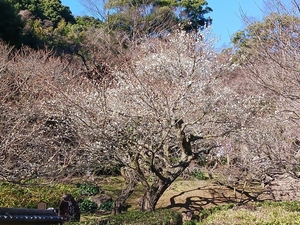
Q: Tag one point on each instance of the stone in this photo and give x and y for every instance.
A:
(187, 216)
(101, 199)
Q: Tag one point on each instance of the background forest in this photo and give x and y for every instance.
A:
(141, 92)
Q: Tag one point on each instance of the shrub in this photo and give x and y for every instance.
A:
(88, 206)
(199, 175)
(88, 189)
(106, 206)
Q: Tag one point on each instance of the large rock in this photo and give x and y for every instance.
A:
(101, 199)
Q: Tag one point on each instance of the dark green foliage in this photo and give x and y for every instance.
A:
(31, 5)
(88, 206)
(52, 24)
(106, 206)
(88, 189)
(55, 11)
(138, 18)
(52, 10)
(199, 175)
(47, 24)
(193, 14)
(87, 21)
(11, 24)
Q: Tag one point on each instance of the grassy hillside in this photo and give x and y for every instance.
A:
(209, 202)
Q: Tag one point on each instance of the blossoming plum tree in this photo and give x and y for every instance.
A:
(166, 105)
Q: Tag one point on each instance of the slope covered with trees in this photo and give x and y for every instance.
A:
(268, 51)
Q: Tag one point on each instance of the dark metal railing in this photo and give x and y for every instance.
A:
(13, 216)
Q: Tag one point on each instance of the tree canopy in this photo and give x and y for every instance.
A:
(52, 10)
(153, 17)
(268, 52)
(11, 24)
(50, 24)
(270, 32)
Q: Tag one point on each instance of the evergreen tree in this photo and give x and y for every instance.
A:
(267, 32)
(11, 24)
(137, 17)
(55, 11)
(52, 10)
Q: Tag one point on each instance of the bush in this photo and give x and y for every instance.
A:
(88, 206)
(199, 175)
(88, 189)
(106, 206)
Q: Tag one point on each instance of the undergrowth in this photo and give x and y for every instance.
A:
(29, 195)
(158, 217)
(259, 213)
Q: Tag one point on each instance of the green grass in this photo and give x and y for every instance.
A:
(265, 213)
(113, 187)
(29, 195)
(159, 217)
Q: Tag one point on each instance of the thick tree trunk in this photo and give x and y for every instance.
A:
(131, 181)
(166, 177)
(147, 202)
(152, 195)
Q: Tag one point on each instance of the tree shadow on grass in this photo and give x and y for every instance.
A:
(205, 197)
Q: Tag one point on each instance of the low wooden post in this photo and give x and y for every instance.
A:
(42, 205)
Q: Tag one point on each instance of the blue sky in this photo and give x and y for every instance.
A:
(226, 15)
